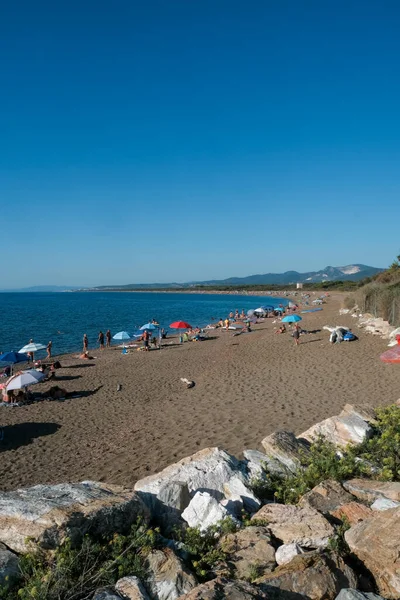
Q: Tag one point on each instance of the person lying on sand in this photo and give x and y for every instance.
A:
(85, 356)
(281, 329)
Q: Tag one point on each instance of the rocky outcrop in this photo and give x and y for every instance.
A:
(257, 463)
(353, 512)
(49, 513)
(225, 588)
(235, 488)
(284, 447)
(370, 490)
(287, 552)
(384, 504)
(205, 471)
(203, 511)
(326, 497)
(9, 566)
(131, 588)
(357, 595)
(247, 548)
(364, 411)
(376, 542)
(168, 577)
(300, 525)
(342, 430)
(317, 576)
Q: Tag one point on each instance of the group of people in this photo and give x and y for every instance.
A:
(100, 338)
(295, 332)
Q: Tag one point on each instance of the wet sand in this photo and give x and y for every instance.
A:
(247, 386)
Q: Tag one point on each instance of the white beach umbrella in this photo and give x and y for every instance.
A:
(24, 379)
(32, 347)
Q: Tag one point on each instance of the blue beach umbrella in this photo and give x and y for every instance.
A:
(148, 327)
(122, 335)
(13, 357)
(291, 319)
(278, 309)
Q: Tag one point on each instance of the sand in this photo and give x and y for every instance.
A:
(246, 387)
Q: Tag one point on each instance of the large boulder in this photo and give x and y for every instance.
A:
(317, 576)
(300, 525)
(9, 566)
(220, 588)
(204, 510)
(364, 411)
(257, 463)
(131, 588)
(47, 514)
(376, 542)
(235, 488)
(342, 430)
(353, 512)
(370, 490)
(384, 504)
(247, 548)
(284, 447)
(326, 496)
(206, 471)
(170, 502)
(168, 578)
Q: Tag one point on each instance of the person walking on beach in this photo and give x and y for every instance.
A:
(296, 334)
(100, 339)
(48, 348)
(146, 338)
(108, 338)
(85, 343)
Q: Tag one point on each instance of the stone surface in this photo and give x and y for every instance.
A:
(8, 566)
(300, 525)
(364, 411)
(353, 512)
(205, 471)
(340, 430)
(326, 496)
(286, 552)
(257, 462)
(131, 588)
(384, 504)
(204, 510)
(376, 542)
(317, 576)
(370, 490)
(168, 577)
(349, 594)
(235, 488)
(50, 513)
(247, 547)
(284, 447)
(169, 503)
(221, 588)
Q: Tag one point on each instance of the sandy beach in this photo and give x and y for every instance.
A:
(246, 387)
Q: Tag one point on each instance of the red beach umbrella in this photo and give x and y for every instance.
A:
(180, 325)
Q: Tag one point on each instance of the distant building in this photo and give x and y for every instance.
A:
(299, 286)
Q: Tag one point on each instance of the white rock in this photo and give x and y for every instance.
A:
(257, 462)
(203, 511)
(340, 430)
(50, 513)
(205, 471)
(168, 576)
(384, 504)
(349, 594)
(131, 588)
(286, 552)
(235, 487)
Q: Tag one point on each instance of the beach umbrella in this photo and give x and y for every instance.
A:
(122, 335)
(24, 379)
(180, 325)
(148, 326)
(278, 309)
(291, 319)
(12, 357)
(32, 347)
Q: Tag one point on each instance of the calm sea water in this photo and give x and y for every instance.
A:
(65, 317)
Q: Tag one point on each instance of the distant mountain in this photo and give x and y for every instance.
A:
(348, 273)
(46, 288)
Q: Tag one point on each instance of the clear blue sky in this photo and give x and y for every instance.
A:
(173, 140)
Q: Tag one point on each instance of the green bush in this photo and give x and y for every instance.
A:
(74, 573)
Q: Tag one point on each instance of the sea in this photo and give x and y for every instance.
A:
(64, 317)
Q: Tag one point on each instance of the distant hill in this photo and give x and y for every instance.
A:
(355, 272)
(45, 288)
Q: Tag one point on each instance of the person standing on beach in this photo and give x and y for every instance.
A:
(296, 334)
(48, 348)
(146, 338)
(108, 338)
(100, 339)
(85, 343)
(226, 322)
(30, 355)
